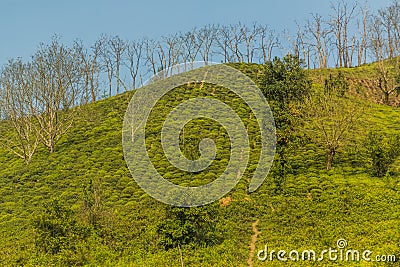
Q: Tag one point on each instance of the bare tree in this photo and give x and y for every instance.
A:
(191, 45)
(385, 19)
(388, 83)
(57, 88)
(206, 37)
(117, 49)
(301, 47)
(16, 98)
(389, 20)
(362, 29)
(150, 50)
(107, 61)
(224, 39)
(268, 42)
(95, 70)
(90, 69)
(163, 57)
(238, 41)
(343, 14)
(395, 17)
(319, 39)
(388, 69)
(134, 55)
(169, 51)
(250, 37)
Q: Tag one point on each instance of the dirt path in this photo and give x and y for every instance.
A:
(253, 243)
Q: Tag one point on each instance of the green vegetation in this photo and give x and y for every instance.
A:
(80, 206)
(285, 85)
(382, 152)
(331, 116)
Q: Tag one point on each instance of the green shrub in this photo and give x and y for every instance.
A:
(184, 226)
(382, 152)
(57, 229)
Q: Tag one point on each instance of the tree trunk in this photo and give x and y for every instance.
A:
(331, 154)
(180, 254)
(386, 98)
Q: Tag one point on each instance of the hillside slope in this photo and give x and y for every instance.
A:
(116, 223)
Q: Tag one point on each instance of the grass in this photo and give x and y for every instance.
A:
(316, 208)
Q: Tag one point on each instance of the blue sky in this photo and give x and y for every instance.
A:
(24, 24)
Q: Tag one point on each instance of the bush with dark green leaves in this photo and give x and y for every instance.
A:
(382, 152)
(59, 232)
(183, 226)
(336, 84)
(285, 84)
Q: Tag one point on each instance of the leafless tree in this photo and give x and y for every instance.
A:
(388, 83)
(117, 48)
(206, 38)
(362, 30)
(388, 69)
(134, 56)
(395, 16)
(95, 69)
(106, 60)
(191, 44)
(57, 88)
(385, 19)
(238, 41)
(319, 39)
(343, 14)
(301, 47)
(90, 69)
(250, 35)
(268, 41)
(16, 94)
(224, 39)
(150, 55)
(169, 51)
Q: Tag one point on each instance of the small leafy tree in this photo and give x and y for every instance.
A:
(183, 226)
(285, 81)
(331, 117)
(95, 214)
(285, 85)
(92, 206)
(57, 229)
(382, 152)
(336, 84)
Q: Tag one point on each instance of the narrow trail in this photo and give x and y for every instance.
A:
(253, 243)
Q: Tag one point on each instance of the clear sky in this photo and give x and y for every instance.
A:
(24, 24)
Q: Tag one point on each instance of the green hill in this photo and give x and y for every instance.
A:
(80, 205)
